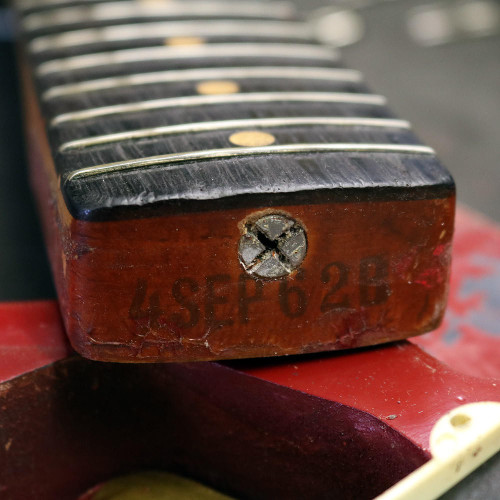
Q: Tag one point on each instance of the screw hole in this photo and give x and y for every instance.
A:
(460, 420)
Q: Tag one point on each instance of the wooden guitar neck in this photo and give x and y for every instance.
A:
(214, 184)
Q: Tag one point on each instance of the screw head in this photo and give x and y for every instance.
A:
(272, 247)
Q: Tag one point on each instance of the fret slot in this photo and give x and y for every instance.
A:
(191, 128)
(118, 11)
(205, 100)
(173, 159)
(164, 30)
(235, 50)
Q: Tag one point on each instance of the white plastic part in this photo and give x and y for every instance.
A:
(460, 442)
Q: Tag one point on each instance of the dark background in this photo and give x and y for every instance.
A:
(451, 94)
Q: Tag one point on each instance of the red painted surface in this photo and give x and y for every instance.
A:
(31, 336)
(399, 384)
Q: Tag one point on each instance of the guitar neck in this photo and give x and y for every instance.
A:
(214, 116)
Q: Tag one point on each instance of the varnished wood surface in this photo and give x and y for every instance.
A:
(184, 294)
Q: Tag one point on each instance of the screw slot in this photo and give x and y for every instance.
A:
(272, 247)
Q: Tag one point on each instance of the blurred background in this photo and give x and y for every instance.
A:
(437, 62)
(439, 65)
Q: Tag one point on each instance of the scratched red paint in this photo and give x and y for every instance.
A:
(439, 250)
(469, 338)
(430, 277)
(381, 381)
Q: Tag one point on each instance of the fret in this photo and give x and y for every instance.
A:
(206, 100)
(192, 128)
(172, 159)
(269, 72)
(234, 50)
(119, 11)
(168, 29)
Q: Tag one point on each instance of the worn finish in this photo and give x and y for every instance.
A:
(147, 194)
(471, 328)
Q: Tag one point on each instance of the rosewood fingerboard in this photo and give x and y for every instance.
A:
(215, 184)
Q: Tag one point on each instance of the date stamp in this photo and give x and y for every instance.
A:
(191, 302)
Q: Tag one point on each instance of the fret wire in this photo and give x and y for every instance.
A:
(198, 127)
(236, 50)
(131, 80)
(211, 154)
(206, 100)
(167, 29)
(117, 11)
